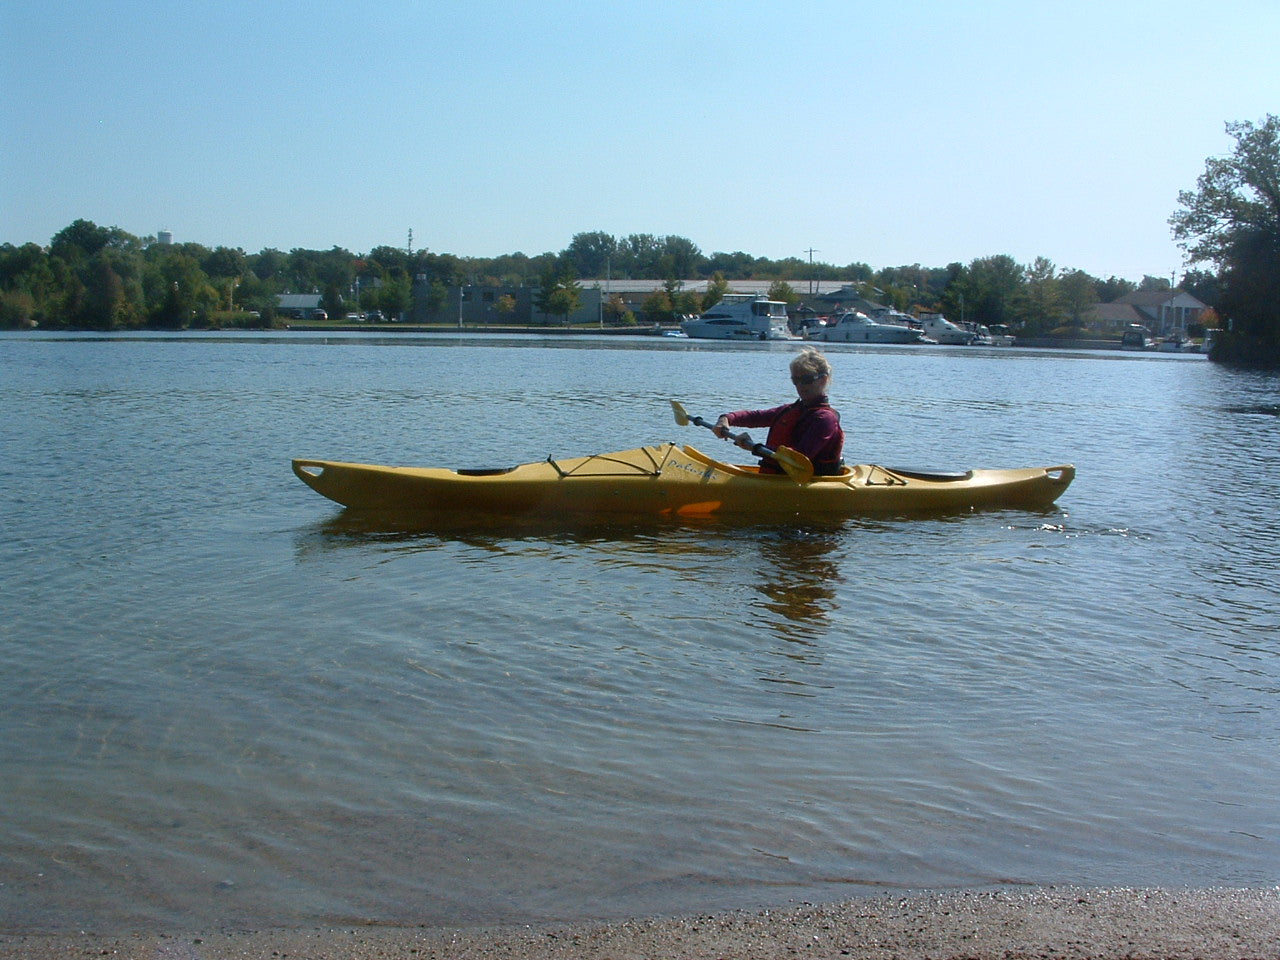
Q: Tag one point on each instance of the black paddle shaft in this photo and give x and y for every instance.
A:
(742, 440)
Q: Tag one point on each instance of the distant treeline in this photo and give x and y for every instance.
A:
(103, 278)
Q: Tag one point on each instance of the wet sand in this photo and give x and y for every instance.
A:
(1052, 922)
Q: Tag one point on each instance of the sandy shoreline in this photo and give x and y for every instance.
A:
(1051, 922)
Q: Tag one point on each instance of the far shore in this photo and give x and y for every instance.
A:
(1012, 924)
(1059, 343)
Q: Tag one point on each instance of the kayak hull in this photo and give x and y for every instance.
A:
(675, 480)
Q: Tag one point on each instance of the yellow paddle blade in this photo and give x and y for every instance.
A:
(796, 465)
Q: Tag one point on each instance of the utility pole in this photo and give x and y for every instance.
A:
(811, 252)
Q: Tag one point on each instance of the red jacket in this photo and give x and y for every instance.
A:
(813, 430)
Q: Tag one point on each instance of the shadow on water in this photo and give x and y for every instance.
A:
(788, 573)
(792, 569)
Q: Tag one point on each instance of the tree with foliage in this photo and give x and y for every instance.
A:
(1079, 293)
(739, 265)
(717, 287)
(1113, 288)
(658, 308)
(985, 291)
(591, 254)
(1232, 220)
(783, 292)
(1201, 284)
(104, 306)
(395, 297)
(437, 296)
(638, 255)
(179, 292)
(1038, 304)
(617, 313)
(559, 293)
(680, 257)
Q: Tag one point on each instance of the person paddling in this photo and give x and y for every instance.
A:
(810, 425)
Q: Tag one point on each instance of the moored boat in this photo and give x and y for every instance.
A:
(982, 336)
(741, 316)
(1136, 337)
(675, 480)
(853, 326)
(941, 330)
(1000, 335)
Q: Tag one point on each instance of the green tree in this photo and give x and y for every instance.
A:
(559, 293)
(104, 306)
(641, 255)
(1113, 288)
(394, 261)
(437, 296)
(681, 257)
(178, 292)
(985, 291)
(17, 309)
(739, 265)
(1038, 304)
(17, 262)
(83, 238)
(1250, 301)
(269, 264)
(616, 312)
(782, 291)
(1232, 220)
(658, 308)
(717, 287)
(1079, 295)
(224, 263)
(591, 254)
(395, 297)
(1201, 284)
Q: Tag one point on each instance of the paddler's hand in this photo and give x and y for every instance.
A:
(721, 429)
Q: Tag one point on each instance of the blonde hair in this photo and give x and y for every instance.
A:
(811, 360)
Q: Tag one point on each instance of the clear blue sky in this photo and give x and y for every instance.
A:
(889, 132)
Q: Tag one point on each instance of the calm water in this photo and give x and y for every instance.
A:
(222, 702)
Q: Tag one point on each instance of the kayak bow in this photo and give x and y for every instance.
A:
(674, 480)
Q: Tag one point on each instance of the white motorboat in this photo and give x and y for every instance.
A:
(1000, 335)
(852, 326)
(895, 317)
(941, 330)
(741, 316)
(982, 335)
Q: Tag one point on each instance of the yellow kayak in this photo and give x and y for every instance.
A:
(674, 480)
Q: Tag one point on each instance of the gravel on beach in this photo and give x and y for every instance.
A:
(1052, 922)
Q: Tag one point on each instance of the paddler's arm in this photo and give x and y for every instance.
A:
(746, 418)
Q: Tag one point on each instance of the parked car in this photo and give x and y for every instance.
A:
(319, 315)
(374, 316)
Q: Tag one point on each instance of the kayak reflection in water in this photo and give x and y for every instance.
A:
(810, 425)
